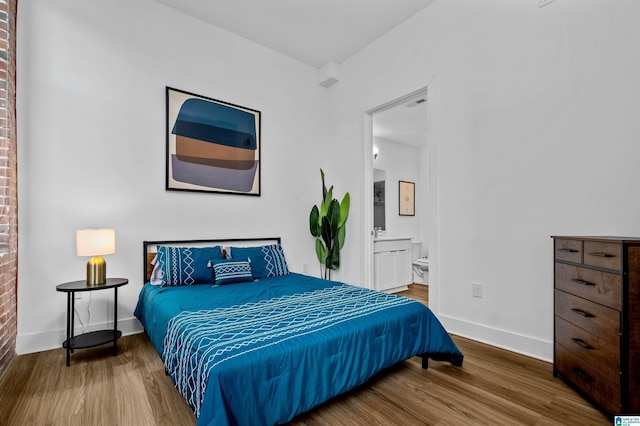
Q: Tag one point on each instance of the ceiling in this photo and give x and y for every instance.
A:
(317, 32)
(403, 123)
(312, 31)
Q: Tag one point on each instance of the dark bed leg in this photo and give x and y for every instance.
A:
(425, 361)
(453, 359)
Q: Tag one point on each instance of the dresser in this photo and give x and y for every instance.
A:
(597, 319)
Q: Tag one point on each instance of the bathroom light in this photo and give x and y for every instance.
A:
(375, 152)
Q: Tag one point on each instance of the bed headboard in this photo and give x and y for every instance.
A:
(150, 247)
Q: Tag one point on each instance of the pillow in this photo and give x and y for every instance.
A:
(186, 265)
(266, 261)
(156, 274)
(231, 271)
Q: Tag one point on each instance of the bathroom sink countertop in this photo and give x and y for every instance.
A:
(387, 238)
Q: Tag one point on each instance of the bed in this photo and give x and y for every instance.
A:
(256, 344)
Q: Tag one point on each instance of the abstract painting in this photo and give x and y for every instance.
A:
(212, 146)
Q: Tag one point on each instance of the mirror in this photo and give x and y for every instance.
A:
(379, 221)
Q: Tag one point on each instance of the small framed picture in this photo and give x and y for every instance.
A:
(407, 198)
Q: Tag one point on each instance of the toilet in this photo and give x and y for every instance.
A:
(420, 263)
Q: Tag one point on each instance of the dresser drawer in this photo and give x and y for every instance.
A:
(597, 286)
(600, 354)
(592, 317)
(603, 255)
(568, 250)
(585, 377)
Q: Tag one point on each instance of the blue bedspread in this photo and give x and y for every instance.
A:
(263, 352)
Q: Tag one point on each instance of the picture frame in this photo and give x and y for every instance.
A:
(406, 198)
(211, 145)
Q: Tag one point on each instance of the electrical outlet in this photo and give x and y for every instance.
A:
(305, 268)
(77, 296)
(477, 289)
(543, 3)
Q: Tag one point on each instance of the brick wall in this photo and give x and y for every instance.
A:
(8, 184)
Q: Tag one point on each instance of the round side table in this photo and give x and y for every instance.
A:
(93, 338)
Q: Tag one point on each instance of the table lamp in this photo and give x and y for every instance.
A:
(96, 242)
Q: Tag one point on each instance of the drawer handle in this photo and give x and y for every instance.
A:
(599, 254)
(566, 250)
(579, 281)
(582, 374)
(582, 343)
(583, 313)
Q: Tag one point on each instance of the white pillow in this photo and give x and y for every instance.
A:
(156, 274)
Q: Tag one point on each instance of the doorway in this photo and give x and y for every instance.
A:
(417, 108)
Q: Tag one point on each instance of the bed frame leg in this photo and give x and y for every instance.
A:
(425, 361)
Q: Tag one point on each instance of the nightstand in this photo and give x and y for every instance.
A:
(93, 338)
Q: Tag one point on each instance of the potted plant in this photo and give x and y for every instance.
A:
(327, 225)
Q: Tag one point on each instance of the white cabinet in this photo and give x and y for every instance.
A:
(384, 270)
(404, 268)
(392, 264)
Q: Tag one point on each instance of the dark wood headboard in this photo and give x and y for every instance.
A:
(150, 247)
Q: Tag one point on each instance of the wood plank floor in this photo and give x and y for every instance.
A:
(494, 387)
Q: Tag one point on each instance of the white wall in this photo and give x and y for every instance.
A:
(400, 162)
(533, 132)
(536, 135)
(91, 120)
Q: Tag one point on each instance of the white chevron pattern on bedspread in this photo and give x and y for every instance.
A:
(196, 342)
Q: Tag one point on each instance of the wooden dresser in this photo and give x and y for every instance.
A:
(597, 319)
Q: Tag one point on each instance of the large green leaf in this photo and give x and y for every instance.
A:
(314, 222)
(342, 232)
(326, 202)
(324, 187)
(333, 256)
(344, 209)
(321, 252)
(327, 236)
(335, 217)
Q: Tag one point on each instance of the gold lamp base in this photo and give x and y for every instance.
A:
(96, 271)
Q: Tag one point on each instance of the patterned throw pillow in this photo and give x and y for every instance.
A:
(186, 265)
(231, 271)
(266, 261)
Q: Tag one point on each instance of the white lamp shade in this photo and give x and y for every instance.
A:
(95, 242)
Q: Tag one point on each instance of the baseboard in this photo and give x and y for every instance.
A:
(396, 289)
(39, 342)
(524, 345)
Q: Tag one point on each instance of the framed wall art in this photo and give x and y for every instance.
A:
(212, 146)
(407, 198)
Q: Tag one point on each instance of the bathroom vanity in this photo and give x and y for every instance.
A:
(392, 258)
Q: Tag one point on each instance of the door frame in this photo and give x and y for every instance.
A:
(431, 92)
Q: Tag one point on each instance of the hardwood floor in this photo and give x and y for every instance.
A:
(417, 291)
(493, 387)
